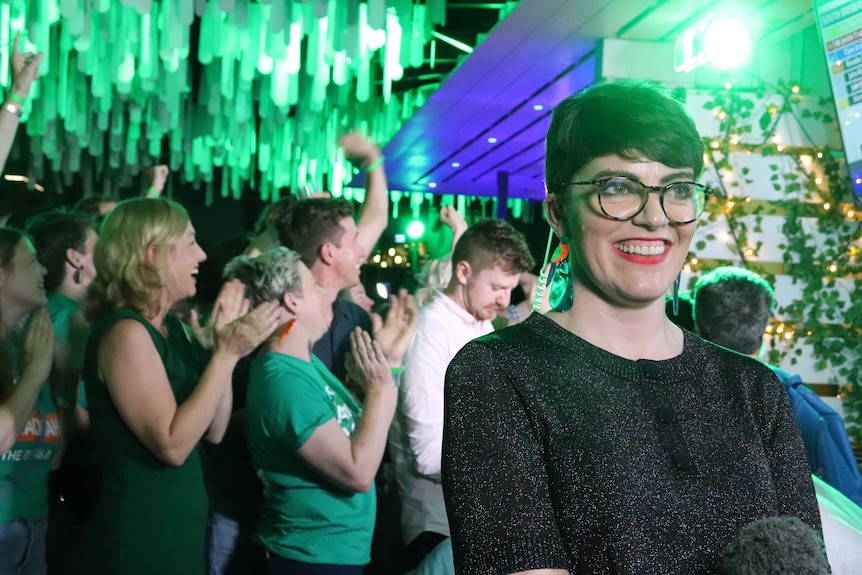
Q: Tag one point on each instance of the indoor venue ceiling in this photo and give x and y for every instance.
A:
(241, 96)
(237, 96)
(485, 125)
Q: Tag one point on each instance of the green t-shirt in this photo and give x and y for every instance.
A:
(305, 517)
(24, 468)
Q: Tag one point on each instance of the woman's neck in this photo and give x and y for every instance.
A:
(630, 332)
(291, 341)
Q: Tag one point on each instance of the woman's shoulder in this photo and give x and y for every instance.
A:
(522, 339)
(726, 363)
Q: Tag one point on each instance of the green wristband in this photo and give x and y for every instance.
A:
(16, 98)
(375, 164)
(396, 370)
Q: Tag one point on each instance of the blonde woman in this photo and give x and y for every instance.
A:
(154, 392)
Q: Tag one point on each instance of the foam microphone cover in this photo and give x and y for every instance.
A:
(781, 545)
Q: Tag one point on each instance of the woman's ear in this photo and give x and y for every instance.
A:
(554, 211)
(290, 303)
(150, 255)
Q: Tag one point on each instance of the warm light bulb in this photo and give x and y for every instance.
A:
(833, 268)
(851, 214)
(795, 89)
(693, 261)
(827, 205)
(818, 180)
(714, 144)
(391, 251)
(398, 260)
(749, 251)
(384, 264)
(376, 258)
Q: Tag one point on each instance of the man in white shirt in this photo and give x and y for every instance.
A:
(486, 265)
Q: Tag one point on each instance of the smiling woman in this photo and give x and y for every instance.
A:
(154, 392)
(620, 442)
(29, 433)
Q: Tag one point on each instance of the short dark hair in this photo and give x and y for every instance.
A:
(310, 223)
(732, 307)
(628, 118)
(53, 233)
(493, 242)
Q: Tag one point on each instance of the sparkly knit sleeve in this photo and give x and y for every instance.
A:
(784, 449)
(494, 473)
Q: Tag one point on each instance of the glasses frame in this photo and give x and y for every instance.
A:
(660, 190)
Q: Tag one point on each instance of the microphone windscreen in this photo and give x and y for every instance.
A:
(781, 545)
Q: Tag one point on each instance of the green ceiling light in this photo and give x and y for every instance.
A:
(277, 83)
(415, 230)
(726, 43)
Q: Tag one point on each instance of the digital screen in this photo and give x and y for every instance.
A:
(840, 25)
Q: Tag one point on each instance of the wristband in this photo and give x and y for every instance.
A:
(375, 164)
(396, 370)
(151, 193)
(16, 98)
(13, 108)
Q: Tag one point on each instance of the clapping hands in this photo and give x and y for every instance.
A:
(234, 329)
(394, 333)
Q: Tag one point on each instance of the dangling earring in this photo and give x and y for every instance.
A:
(562, 294)
(286, 330)
(78, 276)
(676, 283)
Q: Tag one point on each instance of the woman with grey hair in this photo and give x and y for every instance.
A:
(314, 447)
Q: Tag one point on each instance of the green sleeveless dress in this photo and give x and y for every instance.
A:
(150, 516)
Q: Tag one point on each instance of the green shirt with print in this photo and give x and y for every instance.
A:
(305, 517)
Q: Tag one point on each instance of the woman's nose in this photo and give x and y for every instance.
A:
(652, 214)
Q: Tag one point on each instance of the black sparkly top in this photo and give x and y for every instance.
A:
(558, 454)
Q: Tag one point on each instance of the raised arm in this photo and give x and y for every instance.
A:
(374, 216)
(25, 68)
